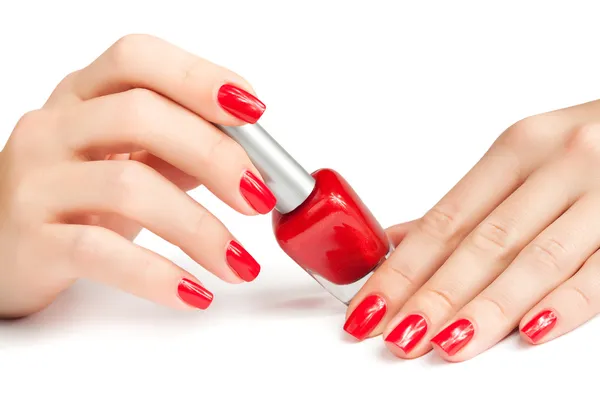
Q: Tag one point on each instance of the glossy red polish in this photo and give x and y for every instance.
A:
(319, 221)
(240, 103)
(365, 317)
(455, 336)
(256, 193)
(407, 334)
(540, 325)
(194, 294)
(332, 235)
(244, 265)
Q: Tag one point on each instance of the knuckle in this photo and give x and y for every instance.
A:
(548, 254)
(29, 129)
(440, 297)
(138, 99)
(585, 299)
(585, 140)
(441, 223)
(194, 69)
(126, 180)
(525, 133)
(401, 271)
(134, 108)
(491, 237)
(123, 53)
(221, 151)
(199, 225)
(83, 247)
(500, 306)
(68, 81)
(22, 202)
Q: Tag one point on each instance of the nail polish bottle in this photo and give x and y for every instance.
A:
(319, 221)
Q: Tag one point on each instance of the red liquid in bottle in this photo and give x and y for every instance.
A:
(332, 234)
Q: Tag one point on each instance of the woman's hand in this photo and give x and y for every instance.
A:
(513, 244)
(114, 149)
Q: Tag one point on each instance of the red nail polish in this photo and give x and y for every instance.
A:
(365, 317)
(256, 193)
(240, 103)
(540, 325)
(333, 236)
(407, 334)
(193, 294)
(319, 220)
(455, 336)
(241, 261)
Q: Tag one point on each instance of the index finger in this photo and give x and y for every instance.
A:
(144, 61)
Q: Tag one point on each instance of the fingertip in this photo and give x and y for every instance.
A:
(442, 354)
(526, 338)
(239, 103)
(258, 197)
(241, 262)
(193, 294)
(395, 349)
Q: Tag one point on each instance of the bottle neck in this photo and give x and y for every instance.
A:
(288, 181)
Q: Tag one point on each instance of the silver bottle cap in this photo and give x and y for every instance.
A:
(288, 181)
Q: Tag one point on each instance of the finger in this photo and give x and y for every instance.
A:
(142, 61)
(437, 234)
(483, 255)
(103, 256)
(141, 119)
(138, 193)
(397, 233)
(183, 181)
(567, 307)
(520, 150)
(550, 259)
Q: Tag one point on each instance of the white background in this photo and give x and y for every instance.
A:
(401, 97)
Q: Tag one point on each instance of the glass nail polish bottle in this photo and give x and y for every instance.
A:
(319, 220)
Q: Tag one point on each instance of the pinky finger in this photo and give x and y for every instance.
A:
(101, 255)
(569, 306)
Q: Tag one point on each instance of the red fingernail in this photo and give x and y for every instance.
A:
(540, 325)
(455, 336)
(241, 262)
(194, 294)
(365, 317)
(256, 193)
(408, 332)
(240, 103)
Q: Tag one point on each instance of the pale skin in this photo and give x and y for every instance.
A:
(519, 234)
(113, 150)
(118, 144)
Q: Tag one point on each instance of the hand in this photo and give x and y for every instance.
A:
(513, 244)
(114, 149)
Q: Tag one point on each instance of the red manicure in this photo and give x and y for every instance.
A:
(241, 262)
(240, 103)
(408, 333)
(194, 294)
(455, 336)
(540, 325)
(365, 317)
(256, 193)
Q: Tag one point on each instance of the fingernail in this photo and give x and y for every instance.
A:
(540, 325)
(256, 193)
(241, 261)
(240, 103)
(455, 336)
(407, 334)
(194, 294)
(365, 317)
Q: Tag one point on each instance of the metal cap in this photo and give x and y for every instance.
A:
(290, 183)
